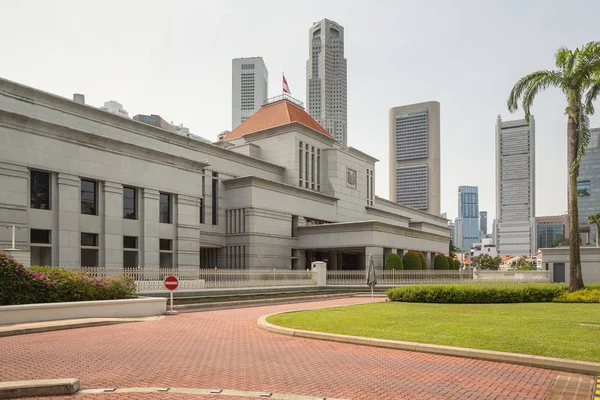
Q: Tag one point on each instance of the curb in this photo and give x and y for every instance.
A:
(559, 364)
(258, 303)
(35, 388)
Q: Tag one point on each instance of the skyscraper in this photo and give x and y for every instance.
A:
(483, 222)
(415, 156)
(468, 216)
(515, 187)
(326, 78)
(249, 88)
(588, 188)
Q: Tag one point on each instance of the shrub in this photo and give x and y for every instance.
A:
(586, 295)
(20, 285)
(478, 293)
(394, 262)
(450, 262)
(456, 264)
(440, 262)
(423, 260)
(411, 261)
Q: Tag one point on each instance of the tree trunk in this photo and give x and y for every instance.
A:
(575, 278)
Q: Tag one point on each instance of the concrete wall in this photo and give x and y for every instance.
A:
(590, 262)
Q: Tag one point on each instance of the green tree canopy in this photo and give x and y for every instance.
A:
(440, 262)
(411, 261)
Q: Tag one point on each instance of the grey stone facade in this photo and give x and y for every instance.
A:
(194, 204)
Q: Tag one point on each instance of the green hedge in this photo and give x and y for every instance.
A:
(478, 293)
(590, 294)
(411, 261)
(20, 285)
(440, 262)
(394, 261)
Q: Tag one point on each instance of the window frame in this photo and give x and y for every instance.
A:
(49, 189)
(135, 203)
(169, 219)
(94, 211)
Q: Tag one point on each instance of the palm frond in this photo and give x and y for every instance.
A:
(586, 63)
(529, 86)
(582, 130)
(561, 56)
(592, 95)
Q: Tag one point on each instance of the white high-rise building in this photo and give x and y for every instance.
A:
(414, 148)
(112, 107)
(326, 79)
(514, 229)
(249, 88)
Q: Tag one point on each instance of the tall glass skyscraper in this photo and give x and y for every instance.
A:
(588, 188)
(468, 217)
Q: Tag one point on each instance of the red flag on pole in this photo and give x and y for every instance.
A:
(286, 88)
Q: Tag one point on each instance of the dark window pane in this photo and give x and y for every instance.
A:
(166, 260)
(40, 190)
(89, 257)
(166, 244)
(88, 197)
(39, 236)
(215, 196)
(130, 242)
(130, 259)
(89, 239)
(165, 208)
(129, 203)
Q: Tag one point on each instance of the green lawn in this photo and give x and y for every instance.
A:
(545, 329)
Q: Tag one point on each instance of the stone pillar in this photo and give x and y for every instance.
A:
(14, 185)
(69, 209)
(301, 261)
(429, 257)
(111, 240)
(150, 215)
(320, 268)
(400, 252)
(333, 260)
(377, 253)
(362, 260)
(188, 231)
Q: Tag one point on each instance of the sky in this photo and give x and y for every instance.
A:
(173, 58)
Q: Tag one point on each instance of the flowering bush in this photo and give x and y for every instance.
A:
(20, 285)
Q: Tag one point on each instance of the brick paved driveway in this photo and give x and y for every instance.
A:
(225, 349)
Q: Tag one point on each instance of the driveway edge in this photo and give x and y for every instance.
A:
(35, 388)
(559, 364)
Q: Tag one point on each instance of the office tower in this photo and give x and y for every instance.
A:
(249, 88)
(415, 156)
(483, 222)
(326, 79)
(588, 188)
(549, 228)
(515, 187)
(468, 216)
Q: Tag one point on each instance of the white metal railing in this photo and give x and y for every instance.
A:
(391, 278)
(151, 279)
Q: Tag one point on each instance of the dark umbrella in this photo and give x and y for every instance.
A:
(371, 276)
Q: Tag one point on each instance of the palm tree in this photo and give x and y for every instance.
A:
(595, 219)
(577, 72)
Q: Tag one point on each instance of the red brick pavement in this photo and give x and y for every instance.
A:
(225, 349)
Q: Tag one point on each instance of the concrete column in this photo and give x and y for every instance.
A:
(400, 252)
(111, 242)
(301, 263)
(188, 231)
(362, 260)
(309, 256)
(333, 260)
(429, 257)
(14, 184)
(340, 260)
(69, 209)
(150, 214)
(377, 253)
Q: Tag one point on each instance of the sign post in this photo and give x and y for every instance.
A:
(171, 282)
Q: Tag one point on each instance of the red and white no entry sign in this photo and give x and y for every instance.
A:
(171, 282)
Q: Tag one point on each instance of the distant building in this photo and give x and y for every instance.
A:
(588, 188)
(486, 246)
(452, 227)
(109, 106)
(468, 216)
(415, 156)
(549, 228)
(249, 88)
(483, 222)
(515, 187)
(326, 79)
(222, 135)
(158, 121)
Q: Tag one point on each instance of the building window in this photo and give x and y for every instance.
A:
(130, 252)
(89, 249)
(89, 239)
(583, 188)
(165, 208)
(300, 161)
(235, 221)
(215, 196)
(129, 203)
(318, 170)
(40, 250)
(89, 198)
(40, 190)
(166, 253)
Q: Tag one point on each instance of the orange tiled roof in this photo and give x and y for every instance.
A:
(273, 115)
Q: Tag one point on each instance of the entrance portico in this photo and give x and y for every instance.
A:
(347, 245)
